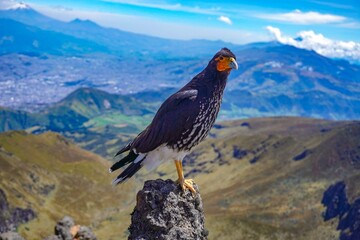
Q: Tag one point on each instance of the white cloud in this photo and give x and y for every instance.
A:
(303, 18)
(353, 25)
(319, 43)
(335, 5)
(6, 4)
(12, 4)
(169, 7)
(145, 25)
(225, 20)
(62, 8)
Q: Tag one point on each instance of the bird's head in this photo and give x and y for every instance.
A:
(224, 60)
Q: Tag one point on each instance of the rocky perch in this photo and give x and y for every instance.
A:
(164, 211)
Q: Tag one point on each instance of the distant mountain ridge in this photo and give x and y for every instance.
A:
(92, 117)
(284, 80)
(272, 80)
(22, 38)
(119, 42)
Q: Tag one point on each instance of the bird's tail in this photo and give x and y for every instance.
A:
(135, 161)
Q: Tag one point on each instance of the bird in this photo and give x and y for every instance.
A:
(182, 121)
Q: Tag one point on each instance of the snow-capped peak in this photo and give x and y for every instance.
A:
(13, 5)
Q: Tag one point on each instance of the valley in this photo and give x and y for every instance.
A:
(273, 79)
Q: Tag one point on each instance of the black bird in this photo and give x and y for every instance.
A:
(182, 122)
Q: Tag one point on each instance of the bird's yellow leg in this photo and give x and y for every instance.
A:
(184, 183)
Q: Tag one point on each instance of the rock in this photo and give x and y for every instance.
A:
(245, 124)
(337, 205)
(335, 201)
(10, 236)
(238, 152)
(20, 215)
(302, 155)
(10, 217)
(254, 159)
(349, 224)
(164, 211)
(85, 233)
(66, 229)
(63, 228)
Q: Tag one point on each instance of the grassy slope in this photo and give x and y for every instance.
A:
(32, 164)
(276, 197)
(273, 198)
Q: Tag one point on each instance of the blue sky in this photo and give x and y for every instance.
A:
(239, 21)
(322, 24)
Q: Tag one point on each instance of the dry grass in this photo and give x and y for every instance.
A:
(273, 198)
(82, 185)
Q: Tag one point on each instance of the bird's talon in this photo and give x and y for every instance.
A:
(187, 184)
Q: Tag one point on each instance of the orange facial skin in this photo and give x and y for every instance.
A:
(226, 63)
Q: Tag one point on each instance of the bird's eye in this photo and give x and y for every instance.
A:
(221, 58)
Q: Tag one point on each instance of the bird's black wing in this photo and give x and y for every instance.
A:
(175, 115)
(124, 149)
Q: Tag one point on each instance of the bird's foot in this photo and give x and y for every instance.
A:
(187, 184)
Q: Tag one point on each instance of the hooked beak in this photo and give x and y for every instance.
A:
(233, 64)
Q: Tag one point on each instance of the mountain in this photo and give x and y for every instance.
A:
(16, 120)
(90, 102)
(261, 178)
(26, 14)
(21, 38)
(119, 42)
(90, 117)
(284, 80)
(96, 120)
(272, 80)
(74, 111)
(51, 177)
(264, 178)
(277, 80)
(86, 103)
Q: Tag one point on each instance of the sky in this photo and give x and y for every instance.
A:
(330, 27)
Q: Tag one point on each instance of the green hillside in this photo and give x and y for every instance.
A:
(90, 102)
(96, 120)
(13, 119)
(83, 107)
